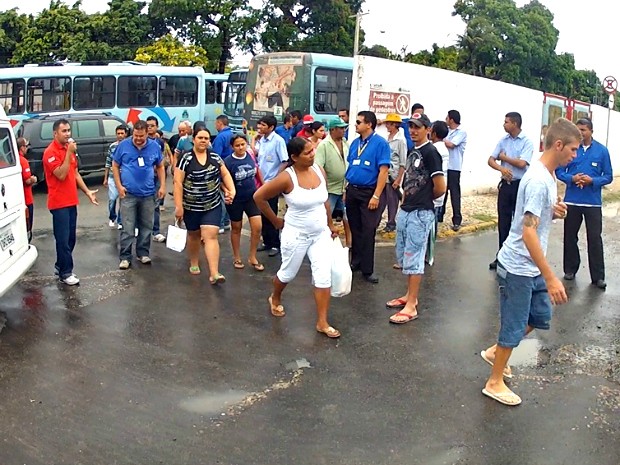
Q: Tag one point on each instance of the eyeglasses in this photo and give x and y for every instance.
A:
(359, 122)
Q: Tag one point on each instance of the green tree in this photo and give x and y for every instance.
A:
(378, 51)
(438, 57)
(215, 25)
(323, 26)
(13, 27)
(170, 51)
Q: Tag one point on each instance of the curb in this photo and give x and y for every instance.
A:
(469, 229)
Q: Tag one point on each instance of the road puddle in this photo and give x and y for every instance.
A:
(211, 403)
(526, 355)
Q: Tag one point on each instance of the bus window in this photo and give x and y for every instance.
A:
(49, 94)
(94, 92)
(221, 91)
(7, 156)
(211, 92)
(137, 91)
(177, 91)
(332, 90)
(12, 94)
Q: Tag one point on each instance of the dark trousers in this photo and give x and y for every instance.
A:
(363, 223)
(30, 221)
(594, 228)
(271, 236)
(454, 191)
(389, 198)
(64, 221)
(506, 203)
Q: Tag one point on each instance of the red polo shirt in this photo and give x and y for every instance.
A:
(60, 194)
(26, 174)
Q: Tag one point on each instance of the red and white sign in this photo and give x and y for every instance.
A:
(382, 103)
(610, 84)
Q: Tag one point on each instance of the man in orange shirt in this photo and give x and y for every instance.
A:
(62, 177)
(29, 180)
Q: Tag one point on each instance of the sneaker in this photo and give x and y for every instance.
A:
(111, 223)
(135, 232)
(221, 231)
(146, 260)
(159, 238)
(227, 227)
(119, 227)
(124, 265)
(70, 280)
(273, 251)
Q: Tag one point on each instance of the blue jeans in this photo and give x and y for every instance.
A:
(112, 198)
(156, 212)
(137, 213)
(64, 221)
(335, 202)
(412, 232)
(523, 301)
(224, 219)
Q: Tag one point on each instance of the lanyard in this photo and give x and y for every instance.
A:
(363, 145)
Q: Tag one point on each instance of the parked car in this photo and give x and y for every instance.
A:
(93, 132)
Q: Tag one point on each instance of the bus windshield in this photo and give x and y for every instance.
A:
(233, 102)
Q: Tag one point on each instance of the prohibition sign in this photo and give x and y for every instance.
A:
(610, 84)
(402, 104)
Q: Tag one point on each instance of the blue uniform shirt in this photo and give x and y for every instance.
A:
(284, 133)
(221, 143)
(271, 154)
(136, 165)
(515, 147)
(365, 158)
(596, 163)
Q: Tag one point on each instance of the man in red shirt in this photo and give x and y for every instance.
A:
(62, 177)
(29, 180)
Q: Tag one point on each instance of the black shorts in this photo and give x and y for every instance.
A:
(237, 208)
(194, 220)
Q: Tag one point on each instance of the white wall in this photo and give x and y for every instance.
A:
(483, 104)
(599, 122)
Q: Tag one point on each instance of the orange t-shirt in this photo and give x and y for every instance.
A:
(26, 174)
(60, 194)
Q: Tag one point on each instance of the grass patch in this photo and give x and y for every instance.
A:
(484, 217)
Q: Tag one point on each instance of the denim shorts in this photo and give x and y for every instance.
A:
(412, 233)
(194, 220)
(523, 301)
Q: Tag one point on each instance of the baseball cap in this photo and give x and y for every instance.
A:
(336, 123)
(308, 119)
(420, 120)
(393, 118)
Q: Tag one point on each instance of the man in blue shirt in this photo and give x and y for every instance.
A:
(366, 175)
(272, 157)
(152, 126)
(221, 143)
(455, 143)
(514, 151)
(132, 164)
(284, 131)
(584, 178)
(297, 123)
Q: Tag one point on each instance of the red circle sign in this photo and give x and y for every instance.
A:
(610, 84)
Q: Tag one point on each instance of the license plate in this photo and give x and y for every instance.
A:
(7, 239)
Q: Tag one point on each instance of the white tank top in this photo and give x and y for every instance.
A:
(306, 207)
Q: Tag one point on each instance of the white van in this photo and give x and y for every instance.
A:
(16, 255)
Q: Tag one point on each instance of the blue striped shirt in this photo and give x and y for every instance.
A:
(519, 147)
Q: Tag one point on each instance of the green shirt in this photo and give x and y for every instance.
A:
(334, 163)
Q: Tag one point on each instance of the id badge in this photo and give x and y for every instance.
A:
(356, 162)
(140, 161)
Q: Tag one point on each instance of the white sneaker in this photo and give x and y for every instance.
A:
(119, 227)
(71, 280)
(124, 265)
(146, 260)
(221, 231)
(135, 232)
(159, 238)
(111, 223)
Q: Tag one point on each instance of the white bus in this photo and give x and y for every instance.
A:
(16, 255)
(128, 90)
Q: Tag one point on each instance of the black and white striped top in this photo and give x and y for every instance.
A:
(201, 187)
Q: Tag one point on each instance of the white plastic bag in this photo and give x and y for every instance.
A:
(341, 270)
(177, 237)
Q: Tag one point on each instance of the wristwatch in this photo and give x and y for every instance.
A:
(375, 197)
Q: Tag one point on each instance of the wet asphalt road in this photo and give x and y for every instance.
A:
(154, 366)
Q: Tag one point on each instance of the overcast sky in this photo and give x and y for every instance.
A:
(585, 27)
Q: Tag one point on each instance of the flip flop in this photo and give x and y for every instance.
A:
(402, 322)
(329, 332)
(195, 270)
(238, 264)
(506, 398)
(507, 374)
(396, 303)
(217, 279)
(258, 266)
(277, 311)
(396, 266)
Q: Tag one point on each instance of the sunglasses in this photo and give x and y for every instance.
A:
(359, 122)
